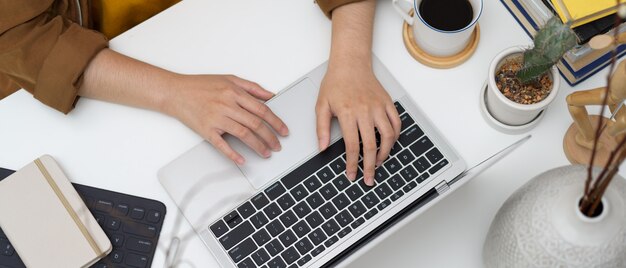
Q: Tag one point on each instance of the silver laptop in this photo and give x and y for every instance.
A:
(297, 209)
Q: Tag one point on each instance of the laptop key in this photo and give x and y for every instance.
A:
(421, 164)
(314, 219)
(259, 220)
(290, 255)
(364, 186)
(242, 250)
(380, 174)
(140, 229)
(370, 200)
(344, 232)
(246, 210)
(304, 246)
(274, 247)
(275, 227)
(344, 218)
(233, 219)
(260, 256)
(312, 183)
(261, 237)
(422, 177)
(341, 201)
(247, 263)
(325, 175)
(395, 149)
(392, 165)
(409, 173)
(135, 260)
(437, 167)
(315, 200)
(140, 245)
(277, 263)
(219, 228)
(302, 261)
(331, 241)
(383, 205)
(260, 201)
(371, 213)
(330, 227)
(287, 238)
(272, 211)
(288, 218)
(405, 157)
(421, 146)
(357, 223)
(399, 107)
(302, 209)
(338, 166)
(328, 191)
(395, 196)
(236, 235)
(409, 186)
(275, 190)
(301, 228)
(341, 182)
(328, 210)
(357, 209)
(285, 201)
(299, 193)
(406, 121)
(396, 182)
(354, 192)
(317, 236)
(434, 155)
(383, 190)
(317, 251)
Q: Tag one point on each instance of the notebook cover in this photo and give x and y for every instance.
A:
(46, 220)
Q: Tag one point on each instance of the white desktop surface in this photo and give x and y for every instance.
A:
(273, 43)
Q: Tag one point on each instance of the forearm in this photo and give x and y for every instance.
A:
(116, 78)
(352, 34)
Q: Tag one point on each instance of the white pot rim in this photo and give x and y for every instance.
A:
(524, 107)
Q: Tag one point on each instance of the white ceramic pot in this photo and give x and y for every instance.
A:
(540, 225)
(507, 111)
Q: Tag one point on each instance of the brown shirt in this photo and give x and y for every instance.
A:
(44, 50)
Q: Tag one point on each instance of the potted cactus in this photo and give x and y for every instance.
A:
(523, 82)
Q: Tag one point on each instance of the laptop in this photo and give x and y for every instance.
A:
(297, 209)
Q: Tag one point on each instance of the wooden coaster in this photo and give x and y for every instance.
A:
(434, 61)
(577, 154)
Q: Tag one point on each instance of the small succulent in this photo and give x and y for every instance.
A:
(550, 44)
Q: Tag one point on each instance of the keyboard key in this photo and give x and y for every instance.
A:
(246, 210)
(370, 200)
(406, 121)
(434, 155)
(341, 201)
(116, 239)
(357, 223)
(299, 193)
(260, 257)
(383, 190)
(116, 256)
(104, 206)
(122, 209)
(405, 157)
(137, 213)
(317, 251)
(357, 209)
(153, 216)
(242, 250)
(275, 190)
(344, 218)
(409, 186)
(315, 200)
(328, 210)
(277, 263)
(354, 192)
(438, 166)
(232, 219)
(330, 227)
(304, 246)
(395, 149)
(422, 177)
(314, 164)
(247, 263)
(396, 182)
(272, 211)
(301, 228)
(325, 175)
(341, 182)
(259, 220)
(380, 174)
(421, 164)
(275, 227)
(314, 219)
(399, 107)
(6, 248)
(287, 238)
(371, 213)
(302, 209)
(383, 205)
(113, 224)
(288, 218)
(364, 186)
(259, 201)
(285, 202)
(312, 183)
(304, 260)
(421, 146)
(135, 260)
(331, 241)
(274, 247)
(328, 191)
(410, 135)
(141, 245)
(261, 237)
(409, 173)
(395, 196)
(140, 229)
(344, 232)
(236, 235)
(392, 165)
(338, 166)
(290, 255)
(317, 236)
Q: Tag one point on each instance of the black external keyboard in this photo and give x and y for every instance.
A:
(313, 207)
(132, 223)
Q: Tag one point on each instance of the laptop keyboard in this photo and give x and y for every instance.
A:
(132, 224)
(306, 212)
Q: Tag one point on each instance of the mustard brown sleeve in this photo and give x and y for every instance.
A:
(47, 55)
(329, 5)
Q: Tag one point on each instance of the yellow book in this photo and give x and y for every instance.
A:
(583, 11)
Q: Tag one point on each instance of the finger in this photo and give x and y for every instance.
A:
(387, 137)
(251, 87)
(262, 111)
(257, 125)
(248, 137)
(350, 133)
(394, 118)
(366, 128)
(324, 117)
(218, 142)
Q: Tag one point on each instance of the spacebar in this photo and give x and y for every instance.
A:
(309, 167)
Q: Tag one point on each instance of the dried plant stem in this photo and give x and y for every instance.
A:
(601, 189)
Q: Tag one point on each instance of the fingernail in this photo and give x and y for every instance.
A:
(321, 145)
(351, 176)
(240, 161)
(379, 163)
(278, 147)
(267, 154)
(284, 131)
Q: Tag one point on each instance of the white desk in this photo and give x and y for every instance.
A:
(273, 43)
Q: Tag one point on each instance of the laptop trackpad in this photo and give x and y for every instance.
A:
(296, 107)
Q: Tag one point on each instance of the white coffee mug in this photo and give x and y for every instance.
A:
(437, 42)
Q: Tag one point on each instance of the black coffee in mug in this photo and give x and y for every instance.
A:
(447, 15)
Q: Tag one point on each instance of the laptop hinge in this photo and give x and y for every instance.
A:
(442, 187)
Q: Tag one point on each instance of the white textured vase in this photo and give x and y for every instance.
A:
(540, 225)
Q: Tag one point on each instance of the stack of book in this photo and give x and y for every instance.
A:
(581, 62)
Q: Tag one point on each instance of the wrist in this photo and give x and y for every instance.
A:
(166, 96)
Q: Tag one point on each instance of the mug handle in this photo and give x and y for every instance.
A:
(403, 13)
